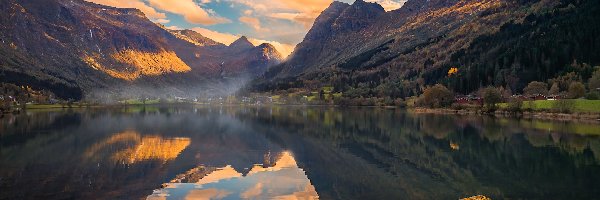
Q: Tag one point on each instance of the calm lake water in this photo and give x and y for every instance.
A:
(187, 152)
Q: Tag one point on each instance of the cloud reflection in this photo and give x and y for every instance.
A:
(283, 180)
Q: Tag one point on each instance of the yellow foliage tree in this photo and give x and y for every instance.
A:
(452, 71)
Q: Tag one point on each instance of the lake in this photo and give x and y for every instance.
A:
(192, 152)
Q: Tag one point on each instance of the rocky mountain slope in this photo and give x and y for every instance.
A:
(491, 42)
(74, 48)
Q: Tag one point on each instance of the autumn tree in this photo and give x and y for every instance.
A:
(535, 88)
(436, 96)
(555, 89)
(576, 90)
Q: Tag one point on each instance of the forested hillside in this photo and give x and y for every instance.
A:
(464, 45)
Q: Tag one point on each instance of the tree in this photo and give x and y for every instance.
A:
(564, 81)
(515, 105)
(576, 90)
(436, 96)
(555, 89)
(321, 95)
(535, 88)
(594, 81)
(491, 97)
(506, 93)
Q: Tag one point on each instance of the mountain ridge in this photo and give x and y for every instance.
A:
(89, 47)
(412, 47)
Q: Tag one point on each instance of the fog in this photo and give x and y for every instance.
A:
(221, 87)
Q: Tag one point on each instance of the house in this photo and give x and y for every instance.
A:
(180, 98)
(520, 97)
(468, 99)
(538, 97)
(554, 97)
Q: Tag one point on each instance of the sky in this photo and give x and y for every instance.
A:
(283, 23)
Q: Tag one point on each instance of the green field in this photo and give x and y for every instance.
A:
(139, 102)
(55, 106)
(579, 105)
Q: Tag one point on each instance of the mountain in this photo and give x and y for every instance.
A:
(362, 49)
(194, 38)
(241, 44)
(76, 48)
(257, 59)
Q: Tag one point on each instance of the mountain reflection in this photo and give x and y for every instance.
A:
(283, 180)
(292, 153)
(154, 147)
(140, 148)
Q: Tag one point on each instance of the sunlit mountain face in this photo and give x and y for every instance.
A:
(283, 180)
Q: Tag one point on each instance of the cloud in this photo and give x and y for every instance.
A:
(251, 21)
(299, 11)
(253, 193)
(174, 28)
(224, 38)
(284, 49)
(150, 12)
(190, 10)
(227, 38)
(162, 21)
(389, 5)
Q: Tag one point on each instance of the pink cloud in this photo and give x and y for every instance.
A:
(251, 21)
(190, 10)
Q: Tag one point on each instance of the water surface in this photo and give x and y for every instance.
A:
(187, 152)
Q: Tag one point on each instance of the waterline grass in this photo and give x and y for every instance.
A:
(578, 105)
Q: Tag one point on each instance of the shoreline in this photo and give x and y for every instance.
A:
(563, 117)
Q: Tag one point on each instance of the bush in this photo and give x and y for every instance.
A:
(436, 96)
(367, 101)
(564, 106)
(388, 101)
(515, 105)
(457, 106)
(341, 101)
(592, 96)
(400, 103)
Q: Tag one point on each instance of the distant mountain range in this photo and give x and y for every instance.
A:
(75, 48)
(506, 43)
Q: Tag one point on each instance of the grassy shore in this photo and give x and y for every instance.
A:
(44, 106)
(578, 105)
(577, 110)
